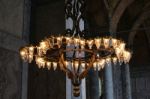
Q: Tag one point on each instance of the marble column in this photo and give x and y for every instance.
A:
(108, 80)
(94, 84)
(69, 26)
(25, 37)
(127, 93)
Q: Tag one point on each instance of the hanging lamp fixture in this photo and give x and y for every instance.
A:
(74, 54)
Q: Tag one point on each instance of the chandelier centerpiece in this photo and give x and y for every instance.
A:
(76, 55)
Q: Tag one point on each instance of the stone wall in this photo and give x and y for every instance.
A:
(140, 81)
(11, 16)
(11, 30)
(10, 67)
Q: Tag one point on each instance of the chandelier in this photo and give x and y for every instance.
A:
(76, 55)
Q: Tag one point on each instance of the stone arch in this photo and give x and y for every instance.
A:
(136, 25)
(144, 16)
(120, 9)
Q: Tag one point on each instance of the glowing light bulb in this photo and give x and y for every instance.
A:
(126, 56)
(108, 60)
(90, 43)
(31, 48)
(76, 41)
(66, 63)
(106, 42)
(40, 62)
(82, 43)
(44, 45)
(118, 53)
(122, 46)
(59, 41)
(114, 42)
(48, 64)
(97, 42)
(22, 53)
(68, 40)
(54, 65)
(30, 58)
(76, 65)
(101, 63)
(114, 59)
(95, 66)
(83, 65)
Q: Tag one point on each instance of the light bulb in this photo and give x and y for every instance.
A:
(30, 58)
(24, 54)
(68, 40)
(48, 64)
(59, 41)
(126, 56)
(76, 64)
(82, 43)
(76, 41)
(40, 62)
(31, 48)
(44, 45)
(114, 42)
(39, 51)
(83, 65)
(114, 59)
(108, 60)
(95, 66)
(101, 63)
(90, 43)
(54, 65)
(106, 42)
(118, 53)
(122, 46)
(97, 42)
(66, 63)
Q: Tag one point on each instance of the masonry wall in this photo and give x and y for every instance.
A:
(11, 34)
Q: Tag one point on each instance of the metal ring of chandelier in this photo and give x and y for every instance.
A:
(75, 56)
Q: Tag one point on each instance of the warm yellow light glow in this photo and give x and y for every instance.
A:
(101, 63)
(54, 65)
(22, 52)
(114, 42)
(106, 42)
(95, 65)
(97, 42)
(114, 59)
(31, 48)
(76, 64)
(90, 43)
(48, 64)
(126, 56)
(40, 62)
(122, 46)
(96, 58)
(83, 65)
(108, 60)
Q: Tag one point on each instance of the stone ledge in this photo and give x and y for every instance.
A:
(11, 42)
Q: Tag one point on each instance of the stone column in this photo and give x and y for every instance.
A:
(127, 93)
(108, 75)
(108, 80)
(70, 23)
(94, 84)
(25, 37)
